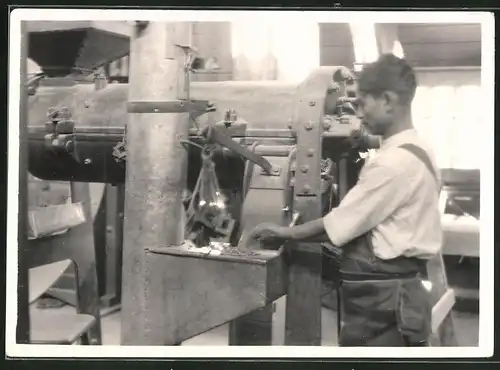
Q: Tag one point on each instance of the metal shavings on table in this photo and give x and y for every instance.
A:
(219, 248)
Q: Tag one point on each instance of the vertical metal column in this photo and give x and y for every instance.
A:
(23, 318)
(156, 175)
(303, 302)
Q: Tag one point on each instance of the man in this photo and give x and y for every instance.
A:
(388, 224)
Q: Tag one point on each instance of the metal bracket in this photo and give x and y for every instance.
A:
(174, 106)
(59, 132)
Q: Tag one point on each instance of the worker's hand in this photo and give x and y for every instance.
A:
(269, 233)
(265, 235)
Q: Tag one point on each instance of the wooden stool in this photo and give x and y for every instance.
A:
(54, 326)
(48, 257)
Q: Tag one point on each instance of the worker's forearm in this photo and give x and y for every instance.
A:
(310, 231)
(321, 238)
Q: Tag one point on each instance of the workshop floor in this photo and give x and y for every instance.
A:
(467, 327)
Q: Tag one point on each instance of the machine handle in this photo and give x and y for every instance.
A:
(215, 135)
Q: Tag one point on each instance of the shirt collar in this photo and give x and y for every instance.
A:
(398, 139)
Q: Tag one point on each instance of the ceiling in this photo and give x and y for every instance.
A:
(424, 44)
(441, 44)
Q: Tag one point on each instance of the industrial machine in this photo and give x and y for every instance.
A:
(257, 152)
(80, 138)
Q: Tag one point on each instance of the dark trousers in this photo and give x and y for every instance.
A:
(385, 313)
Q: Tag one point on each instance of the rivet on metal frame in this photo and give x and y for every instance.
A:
(306, 189)
(304, 168)
(312, 103)
(310, 152)
(309, 125)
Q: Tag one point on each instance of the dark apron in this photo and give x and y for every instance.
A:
(382, 303)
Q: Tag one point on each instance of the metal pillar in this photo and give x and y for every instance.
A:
(23, 318)
(155, 176)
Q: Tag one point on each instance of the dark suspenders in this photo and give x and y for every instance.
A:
(422, 155)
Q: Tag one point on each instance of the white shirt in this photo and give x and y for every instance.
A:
(397, 198)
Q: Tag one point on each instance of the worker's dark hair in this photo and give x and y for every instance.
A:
(388, 73)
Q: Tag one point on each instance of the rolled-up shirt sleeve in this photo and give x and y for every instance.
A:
(380, 190)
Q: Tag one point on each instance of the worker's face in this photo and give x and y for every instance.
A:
(376, 112)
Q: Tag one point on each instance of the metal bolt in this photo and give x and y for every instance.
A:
(290, 123)
(87, 161)
(109, 229)
(306, 189)
(156, 110)
(309, 126)
(86, 104)
(304, 168)
(312, 103)
(310, 152)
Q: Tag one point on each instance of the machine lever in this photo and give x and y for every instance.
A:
(216, 135)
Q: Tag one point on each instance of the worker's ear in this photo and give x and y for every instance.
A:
(390, 99)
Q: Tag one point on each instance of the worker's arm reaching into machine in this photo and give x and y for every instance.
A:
(379, 191)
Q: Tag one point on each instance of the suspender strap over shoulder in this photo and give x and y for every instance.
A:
(422, 156)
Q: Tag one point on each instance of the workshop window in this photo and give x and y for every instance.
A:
(364, 41)
(281, 50)
(446, 126)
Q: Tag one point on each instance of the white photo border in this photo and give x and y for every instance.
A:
(486, 314)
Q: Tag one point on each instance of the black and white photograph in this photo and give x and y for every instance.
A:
(250, 184)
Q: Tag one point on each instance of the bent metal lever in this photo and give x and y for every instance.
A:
(216, 135)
